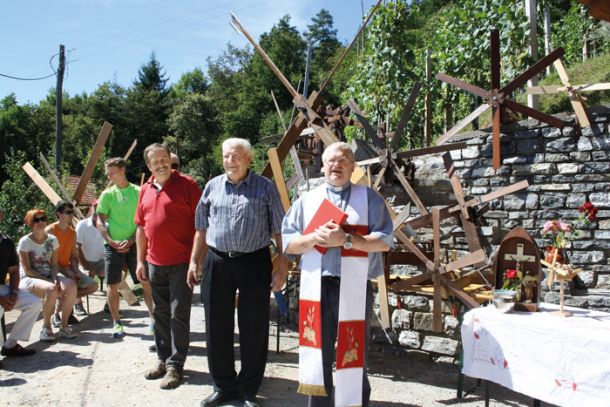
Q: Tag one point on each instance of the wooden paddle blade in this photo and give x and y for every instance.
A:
(369, 129)
(536, 114)
(41, 183)
(405, 285)
(504, 191)
(460, 294)
(402, 216)
(496, 124)
(461, 124)
(595, 86)
(278, 176)
(404, 117)
(580, 109)
(494, 39)
(532, 71)
(431, 150)
(475, 90)
(410, 191)
(545, 90)
(468, 260)
(93, 158)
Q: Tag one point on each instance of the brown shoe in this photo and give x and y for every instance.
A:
(172, 379)
(156, 372)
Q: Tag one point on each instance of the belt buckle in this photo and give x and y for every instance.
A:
(232, 254)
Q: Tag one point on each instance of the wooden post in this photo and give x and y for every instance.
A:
(428, 102)
(530, 12)
(547, 34)
(58, 108)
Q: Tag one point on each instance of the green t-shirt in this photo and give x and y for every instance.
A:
(119, 205)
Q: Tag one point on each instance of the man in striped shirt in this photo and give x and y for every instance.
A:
(236, 217)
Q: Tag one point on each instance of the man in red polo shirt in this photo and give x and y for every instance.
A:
(166, 227)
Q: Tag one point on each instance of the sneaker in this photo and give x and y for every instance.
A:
(79, 309)
(56, 321)
(46, 335)
(72, 320)
(117, 330)
(16, 350)
(152, 348)
(172, 379)
(66, 333)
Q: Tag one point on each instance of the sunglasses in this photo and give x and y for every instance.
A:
(69, 212)
(36, 220)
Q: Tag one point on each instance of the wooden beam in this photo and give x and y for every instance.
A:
(278, 176)
(91, 163)
(66, 195)
(41, 183)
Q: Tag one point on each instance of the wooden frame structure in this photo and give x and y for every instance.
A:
(574, 92)
(497, 98)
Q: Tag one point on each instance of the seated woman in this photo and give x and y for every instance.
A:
(39, 273)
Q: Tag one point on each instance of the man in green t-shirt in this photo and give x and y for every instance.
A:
(116, 211)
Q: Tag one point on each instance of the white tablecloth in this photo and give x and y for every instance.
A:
(564, 361)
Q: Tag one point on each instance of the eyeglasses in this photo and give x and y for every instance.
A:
(36, 220)
(69, 212)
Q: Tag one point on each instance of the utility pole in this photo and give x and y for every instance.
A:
(58, 109)
(307, 63)
(428, 102)
(547, 34)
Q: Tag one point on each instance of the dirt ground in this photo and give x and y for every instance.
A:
(98, 370)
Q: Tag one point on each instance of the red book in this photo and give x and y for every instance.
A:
(325, 213)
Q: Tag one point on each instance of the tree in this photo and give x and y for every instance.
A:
(191, 82)
(151, 77)
(195, 131)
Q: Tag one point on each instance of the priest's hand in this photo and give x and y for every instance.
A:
(331, 235)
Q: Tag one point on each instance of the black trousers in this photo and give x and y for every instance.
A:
(329, 302)
(222, 277)
(172, 312)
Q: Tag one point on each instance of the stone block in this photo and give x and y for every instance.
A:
(575, 200)
(602, 234)
(573, 301)
(600, 199)
(480, 182)
(567, 168)
(580, 156)
(415, 303)
(596, 167)
(529, 146)
(551, 132)
(482, 172)
(513, 215)
(401, 319)
(554, 157)
(443, 346)
(551, 297)
(583, 187)
(564, 144)
(601, 155)
(584, 144)
(526, 134)
(594, 130)
(568, 131)
(410, 339)
(422, 321)
(602, 187)
(556, 187)
(456, 155)
(592, 177)
(531, 201)
(552, 201)
(471, 153)
(515, 160)
(588, 257)
(480, 190)
(450, 324)
(514, 201)
(603, 224)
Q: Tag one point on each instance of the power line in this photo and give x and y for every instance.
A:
(35, 79)
(27, 79)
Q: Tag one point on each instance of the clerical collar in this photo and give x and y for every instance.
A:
(338, 188)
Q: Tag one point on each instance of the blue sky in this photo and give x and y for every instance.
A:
(110, 39)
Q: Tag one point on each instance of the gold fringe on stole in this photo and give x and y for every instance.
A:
(312, 390)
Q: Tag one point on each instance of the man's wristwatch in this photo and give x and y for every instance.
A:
(348, 242)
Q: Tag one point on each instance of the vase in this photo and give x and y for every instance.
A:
(550, 252)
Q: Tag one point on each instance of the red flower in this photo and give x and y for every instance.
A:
(511, 274)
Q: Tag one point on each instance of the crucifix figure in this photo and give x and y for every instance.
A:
(520, 257)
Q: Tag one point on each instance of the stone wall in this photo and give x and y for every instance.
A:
(564, 168)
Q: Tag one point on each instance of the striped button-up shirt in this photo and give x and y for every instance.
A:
(239, 217)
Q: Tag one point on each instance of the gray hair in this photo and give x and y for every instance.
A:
(237, 142)
(339, 145)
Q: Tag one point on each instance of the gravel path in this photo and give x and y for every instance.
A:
(98, 370)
